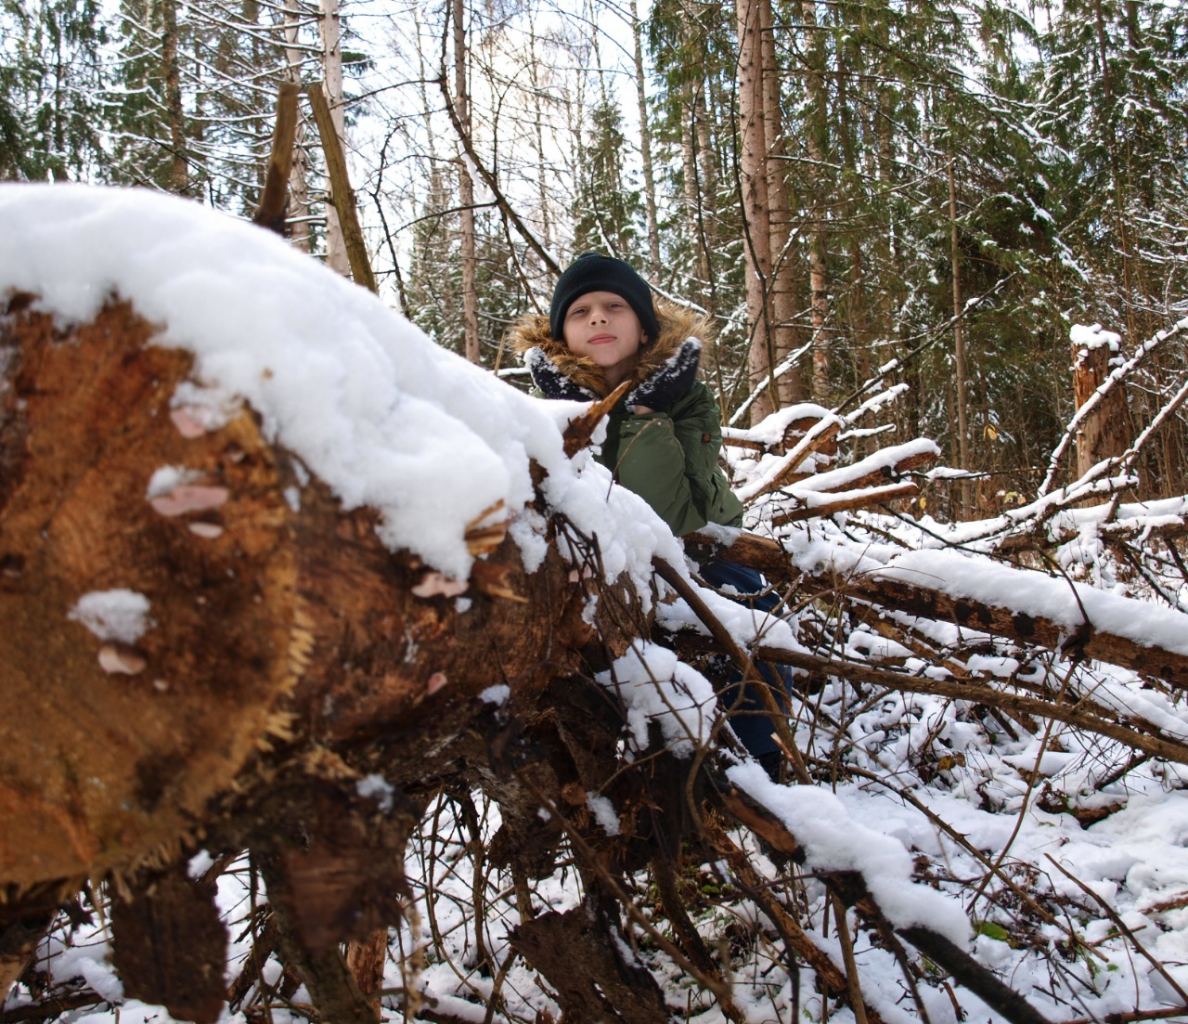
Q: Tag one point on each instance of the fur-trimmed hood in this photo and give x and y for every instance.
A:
(676, 325)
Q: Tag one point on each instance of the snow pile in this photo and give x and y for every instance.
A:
(1094, 336)
(369, 404)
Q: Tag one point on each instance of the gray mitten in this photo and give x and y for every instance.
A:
(551, 380)
(669, 382)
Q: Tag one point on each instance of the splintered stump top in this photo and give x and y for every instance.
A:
(176, 598)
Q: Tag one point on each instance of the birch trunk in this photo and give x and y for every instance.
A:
(329, 25)
(299, 233)
(645, 146)
(465, 192)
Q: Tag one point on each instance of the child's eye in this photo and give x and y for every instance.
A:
(577, 310)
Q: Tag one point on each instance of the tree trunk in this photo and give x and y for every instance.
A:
(815, 142)
(538, 126)
(857, 305)
(298, 210)
(693, 196)
(1106, 429)
(755, 202)
(960, 370)
(783, 266)
(708, 216)
(465, 192)
(171, 72)
(645, 145)
(697, 166)
(336, 253)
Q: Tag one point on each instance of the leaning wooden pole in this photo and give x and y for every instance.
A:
(274, 200)
(341, 193)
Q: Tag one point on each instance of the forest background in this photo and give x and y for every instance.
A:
(838, 185)
(922, 202)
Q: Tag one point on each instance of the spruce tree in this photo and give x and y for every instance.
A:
(609, 206)
(50, 83)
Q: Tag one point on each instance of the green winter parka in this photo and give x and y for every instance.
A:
(670, 459)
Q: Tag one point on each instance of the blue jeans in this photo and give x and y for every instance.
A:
(749, 717)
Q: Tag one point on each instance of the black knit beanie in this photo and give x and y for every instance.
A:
(593, 272)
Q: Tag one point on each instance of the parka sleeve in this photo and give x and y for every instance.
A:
(651, 462)
(671, 461)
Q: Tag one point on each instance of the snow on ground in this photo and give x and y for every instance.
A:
(1133, 861)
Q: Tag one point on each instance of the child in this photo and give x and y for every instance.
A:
(664, 436)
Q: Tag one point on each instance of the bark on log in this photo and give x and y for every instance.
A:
(594, 982)
(20, 933)
(269, 624)
(169, 945)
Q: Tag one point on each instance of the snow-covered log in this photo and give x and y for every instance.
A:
(1019, 604)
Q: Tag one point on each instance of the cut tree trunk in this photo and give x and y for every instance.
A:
(1104, 432)
(761, 359)
(270, 623)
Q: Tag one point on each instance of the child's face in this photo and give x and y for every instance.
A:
(603, 327)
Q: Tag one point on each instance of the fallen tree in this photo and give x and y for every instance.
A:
(241, 620)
